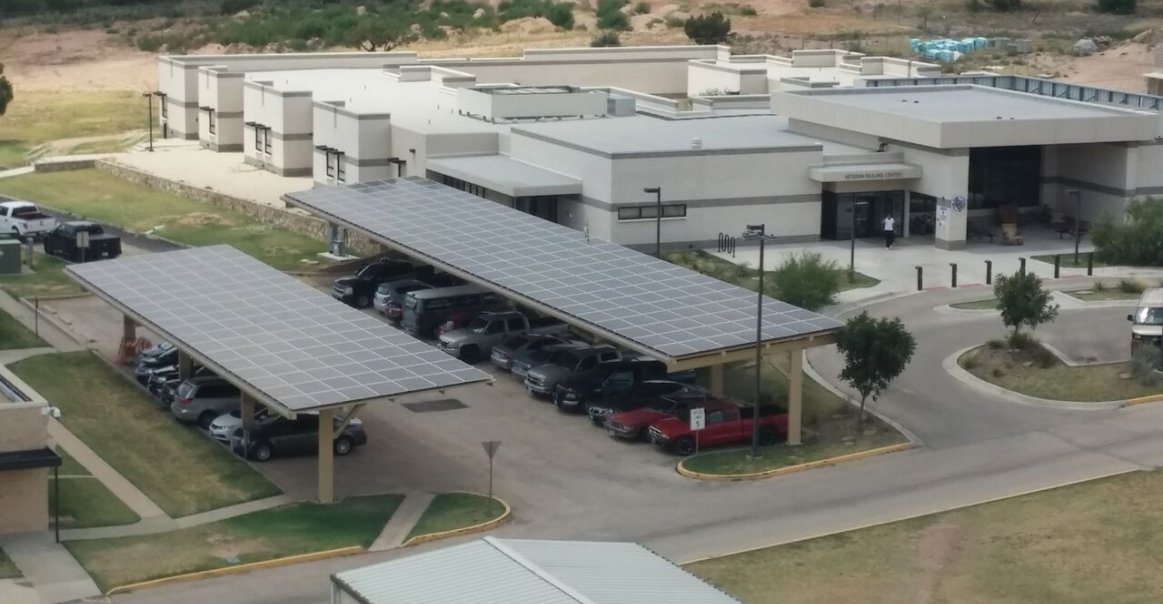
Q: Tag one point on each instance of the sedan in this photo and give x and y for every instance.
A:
(299, 436)
(225, 425)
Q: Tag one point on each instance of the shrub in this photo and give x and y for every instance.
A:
(561, 15)
(1146, 364)
(816, 3)
(806, 280)
(1131, 286)
(606, 39)
(674, 22)
(970, 361)
(1099, 286)
(1117, 7)
(233, 7)
(998, 372)
(617, 21)
(1043, 358)
(1137, 240)
(1022, 341)
(748, 11)
(642, 8)
(708, 29)
(996, 344)
(1004, 6)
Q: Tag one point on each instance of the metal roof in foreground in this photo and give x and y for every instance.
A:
(647, 304)
(524, 571)
(285, 343)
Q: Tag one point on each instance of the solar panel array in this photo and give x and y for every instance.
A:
(293, 344)
(607, 287)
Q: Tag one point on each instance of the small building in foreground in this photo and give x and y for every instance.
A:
(526, 571)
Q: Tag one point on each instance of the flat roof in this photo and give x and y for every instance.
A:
(290, 346)
(644, 135)
(636, 300)
(506, 175)
(526, 571)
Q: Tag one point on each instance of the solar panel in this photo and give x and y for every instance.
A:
(275, 336)
(606, 287)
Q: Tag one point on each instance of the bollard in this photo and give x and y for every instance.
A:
(920, 272)
(1022, 266)
(988, 272)
(1090, 264)
(954, 265)
(1057, 264)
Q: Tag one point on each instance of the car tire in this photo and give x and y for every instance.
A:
(684, 446)
(262, 452)
(470, 354)
(768, 436)
(206, 419)
(362, 301)
(643, 435)
(343, 446)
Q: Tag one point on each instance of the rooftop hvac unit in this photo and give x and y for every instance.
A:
(620, 106)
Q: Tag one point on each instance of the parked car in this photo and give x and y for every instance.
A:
(203, 399)
(163, 354)
(360, 289)
(389, 298)
(502, 354)
(613, 380)
(528, 359)
(543, 379)
(299, 436)
(1147, 320)
(633, 423)
(24, 219)
(62, 242)
(225, 425)
(427, 310)
(490, 328)
(726, 424)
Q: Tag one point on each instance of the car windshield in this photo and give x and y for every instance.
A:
(1149, 315)
(184, 389)
(515, 342)
(478, 325)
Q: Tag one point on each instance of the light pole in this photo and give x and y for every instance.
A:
(757, 231)
(852, 246)
(1077, 219)
(657, 219)
(149, 96)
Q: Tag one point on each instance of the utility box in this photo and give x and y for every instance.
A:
(10, 256)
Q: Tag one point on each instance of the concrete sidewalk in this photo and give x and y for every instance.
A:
(50, 568)
(402, 522)
(129, 494)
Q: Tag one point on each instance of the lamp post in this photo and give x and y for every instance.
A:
(1077, 219)
(657, 219)
(149, 96)
(852, 243)
(757, 231)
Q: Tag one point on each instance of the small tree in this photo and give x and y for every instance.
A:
(1023, 302)
(6, 94)
(805, 280)
(875, 352)
(374, 33)
(708, 29)
(606, 39)
(1117, 7)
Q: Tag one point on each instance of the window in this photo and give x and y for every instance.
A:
(588, 363)
(674, 210)
(258, 138)
(330, 166)
(165, 108)
(495, 327)
(516, 324)
(620, 379)
(462, 185)
(266, 141)
(340, 168)
(212, 121)
(715, 417)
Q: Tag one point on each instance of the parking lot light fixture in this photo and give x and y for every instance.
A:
(657, 191)
(757, 231)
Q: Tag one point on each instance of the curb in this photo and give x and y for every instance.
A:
(954, 369)
(464, 530)
(948, 309)
(240, 568)
(811, 465)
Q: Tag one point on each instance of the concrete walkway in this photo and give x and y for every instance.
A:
(50, 568)
(129, 494)
(17, 172)
(51, 334)
(402, 522)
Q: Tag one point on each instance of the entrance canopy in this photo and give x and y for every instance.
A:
(640, 302)
(291, 347)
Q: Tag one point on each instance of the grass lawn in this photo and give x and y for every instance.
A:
(179, 469)
(38, 117)
(456, 510)
(8, 570)
(13, 334)
(745, 276)
(85, 502)
(1058, 381)
(46, 279)
(737, 461)
(1091, 542)
(298, 528)
(106, 198)
(1091, 295)
(990, 304)
(860, 280)
(1068, 260)
(103, 146)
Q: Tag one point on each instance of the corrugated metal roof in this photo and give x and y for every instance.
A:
(522, 571)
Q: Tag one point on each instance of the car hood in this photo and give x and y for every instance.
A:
(1147, 330)
(671, 426)
(581, 383)
(344, 281)
(547, 372)
(455, 336)
(638, 417)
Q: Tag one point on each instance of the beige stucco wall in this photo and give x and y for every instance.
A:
(23, 501)
(22, 426)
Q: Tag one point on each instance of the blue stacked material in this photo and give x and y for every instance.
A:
(946, 50)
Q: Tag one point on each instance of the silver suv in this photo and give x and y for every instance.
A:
(202, 399)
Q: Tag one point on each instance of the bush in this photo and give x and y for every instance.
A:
(674, 22)
(1099, 286)
(1043, 358)
(1137, 240)
(996, 344)
(708, 29)
(1023, 341)
(642, 8)
(233, 7)
(970, 361)
(748, 11)
(561, 15)
(1116, 7)
(816, 3)
(617, 21)
(1004, 6)
(1146, 364)
(806, 280)
(606, 39)
(1131, 286)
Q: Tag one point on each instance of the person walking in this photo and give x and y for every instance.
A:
(889, 231)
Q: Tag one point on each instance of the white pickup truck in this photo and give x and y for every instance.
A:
(24, 219)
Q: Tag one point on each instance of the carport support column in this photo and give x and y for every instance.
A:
(128, 329)
(185, 365)
(247, 411)
(326, 457)
(795, 398)
(337, 239)
(718, 386)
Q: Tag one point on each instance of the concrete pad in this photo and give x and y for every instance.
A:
(18, 591)
(401, 523)
(1104, 336)
(49, 566)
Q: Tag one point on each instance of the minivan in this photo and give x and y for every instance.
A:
(427, 309)
(202, 399)
(1147, 320)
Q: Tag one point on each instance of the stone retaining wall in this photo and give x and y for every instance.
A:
(63, 164)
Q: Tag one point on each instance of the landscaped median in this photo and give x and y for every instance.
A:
(737, 464)
(178, 468)
(281, 533)
(451, 514)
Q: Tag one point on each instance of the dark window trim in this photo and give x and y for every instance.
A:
(671, 210)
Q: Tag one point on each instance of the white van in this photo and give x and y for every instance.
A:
(1147, 320)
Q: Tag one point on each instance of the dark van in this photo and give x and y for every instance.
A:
(425, 310)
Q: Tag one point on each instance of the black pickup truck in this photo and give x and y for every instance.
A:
(360, 289)
(612, 380)
(62, 242)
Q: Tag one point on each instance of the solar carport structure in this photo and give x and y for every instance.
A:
(634, 300)
(284, 344)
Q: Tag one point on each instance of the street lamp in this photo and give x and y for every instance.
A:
(149, 95)
(757, 231)
(852, 246)
(657, 219)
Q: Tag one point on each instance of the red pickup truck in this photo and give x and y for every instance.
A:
(726, 425)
